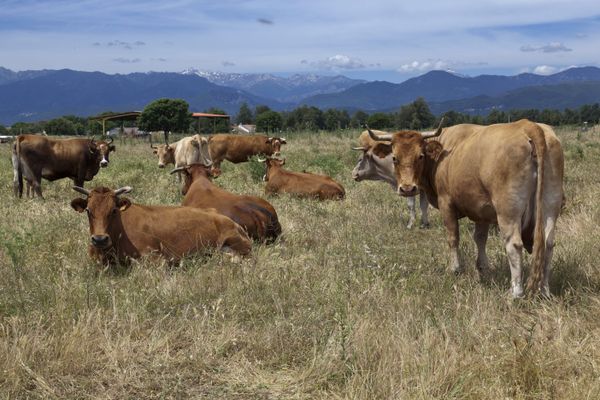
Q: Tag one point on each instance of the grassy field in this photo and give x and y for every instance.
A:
(349, 304)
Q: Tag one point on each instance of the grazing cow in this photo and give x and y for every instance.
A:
(371, 167)
(237, 149)
(303, 184)
(35, 157)
(509, 174)
(255, 215)
(121, 230)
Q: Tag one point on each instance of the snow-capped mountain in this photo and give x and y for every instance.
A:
(290, 89)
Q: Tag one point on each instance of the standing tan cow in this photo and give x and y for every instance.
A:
(302, 184)
(121, 230)
(372, 167)
(35, 157)
(509, 174)
(257, 216)
(189, 150)
(237, 148)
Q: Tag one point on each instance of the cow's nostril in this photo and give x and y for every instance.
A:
(100, 240)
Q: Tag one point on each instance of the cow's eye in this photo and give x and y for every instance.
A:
(114, 210)
(421, 155)
(395, 160)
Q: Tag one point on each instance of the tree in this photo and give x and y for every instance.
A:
(3, 130)
(379, 121)
(61, 126)
(261, 109)
(166, 115)
(415, 115)
(213, 125)
(269, 121)
(335, 119)
(244, 116)
(359, 119)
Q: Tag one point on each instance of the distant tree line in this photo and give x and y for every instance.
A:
(172, 115)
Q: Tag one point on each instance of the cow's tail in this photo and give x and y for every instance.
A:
(536, 276)
(17, 168)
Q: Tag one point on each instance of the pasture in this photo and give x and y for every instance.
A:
(348, 304)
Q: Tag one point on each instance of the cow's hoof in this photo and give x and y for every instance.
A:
(425, 225)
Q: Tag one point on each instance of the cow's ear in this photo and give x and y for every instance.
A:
(382, 150)
(123, 203)
(79, 204)
(269, 140)
(112, 148)
(434, 150)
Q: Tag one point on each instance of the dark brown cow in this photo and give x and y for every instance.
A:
(303, 184)
(254, 214)
(121, 230)
(237, 148)
(36, 157)
(509, 174)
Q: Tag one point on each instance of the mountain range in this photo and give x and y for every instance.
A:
(45, 94)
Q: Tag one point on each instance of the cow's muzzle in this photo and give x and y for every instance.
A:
(101, 241)
(276, 154)
(104, 163)
(407, 190)
(161, 165)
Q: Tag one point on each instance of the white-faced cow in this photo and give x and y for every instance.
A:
(121, 230)
(509, 174)
(373, 165)
(35, 157)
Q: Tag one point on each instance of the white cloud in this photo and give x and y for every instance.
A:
(545, 70)
(553, 47)
(421, 66)
(338, 61)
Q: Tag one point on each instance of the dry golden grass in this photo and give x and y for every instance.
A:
(350, 304)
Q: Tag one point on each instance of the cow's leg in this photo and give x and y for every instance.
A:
(480, 236)
(424, 205)
(451, 224)
(511, 233)
(549, 236)
(410, 201)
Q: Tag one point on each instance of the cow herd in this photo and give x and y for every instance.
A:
(509, 175)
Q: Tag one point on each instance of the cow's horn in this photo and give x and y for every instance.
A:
(379, 138)
(360, 148)
(437, 132)
(178, 169)
(81, 190)
(261, 159)
(110, 138)
(124, 189)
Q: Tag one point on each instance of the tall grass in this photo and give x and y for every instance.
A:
(348, 304)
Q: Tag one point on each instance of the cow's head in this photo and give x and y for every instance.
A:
(191, 173)
(165, 153)
(276, 143)
(103, 206)
(375, 164)
(272, 164)
(410, 151)
(104, 149)
(201, 143)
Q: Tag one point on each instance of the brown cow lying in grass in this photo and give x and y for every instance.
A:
(303, 184)
(121, 230)
(254, 214)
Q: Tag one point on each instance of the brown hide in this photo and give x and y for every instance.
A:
(36, 157)
(510, 174)
(237, 148)
(254, 214)
(121, 230)
(301, 184)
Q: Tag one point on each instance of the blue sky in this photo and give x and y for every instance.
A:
(376, 40)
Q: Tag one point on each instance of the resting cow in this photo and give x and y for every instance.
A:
(509, 174)
(302, 184)
(372, 167)
(255, 215)
(121, 230)
(237, 148)
(35, 157)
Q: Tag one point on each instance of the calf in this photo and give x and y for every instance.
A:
(255, 215)
(121, 230)
(303, 184)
